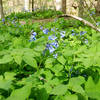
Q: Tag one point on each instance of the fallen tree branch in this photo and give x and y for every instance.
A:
(82, 20)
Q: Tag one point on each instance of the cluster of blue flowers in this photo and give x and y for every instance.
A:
(45, 31)
(62, 34)
(73, 33)
(52, 37)
(54, 43)
(52, 46)
(55, 55)
(81, 34)
(33, 36)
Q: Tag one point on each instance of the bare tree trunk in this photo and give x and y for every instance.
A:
(64, 6)
(81, 8)
(1, 10)
(32, 5)
(26, 5)
(98, 8)
(58, 4)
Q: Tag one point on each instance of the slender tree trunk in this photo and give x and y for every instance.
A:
(26, 5)
(81, 8)
(32, 5)
(1, 9)
(54, 5)
(64, 6)
(98, 8)
(58, 5)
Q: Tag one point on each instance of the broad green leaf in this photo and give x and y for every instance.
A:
(82, 97)
(9, 75)
(48, 87)
(5, 83)
(17, 55)
(31, 52)
(4, 52)
(62, 60)
(71, 97)
(43, 95)
(48, 74)
(55, 81)
(78, 89)
(75, 84)
(6, 59)
(59, 90)
(59, 97)
(18, 59)
(57, 68)
(30, 60)
(77, 80)
(49, 62)
(39, 48)
(92, 89)
(21, 94)
(68, 52)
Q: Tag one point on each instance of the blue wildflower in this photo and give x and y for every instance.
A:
(72, 30)
(32, 37)
(56, 28)
(62, 35)
(82, 32)
(63, 32)
(92, 13)
(51, 49)
(34, 33)
(41, 27)
(55, 44)
(13, 21)
(55, 55)
(73, 34)
(71, 69)
(47, 46)
(3, 20)
(45, 31)
(86, 41)
(52, 29)
(52, 37)
(8, 18)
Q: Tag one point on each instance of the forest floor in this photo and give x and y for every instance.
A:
(42, 20)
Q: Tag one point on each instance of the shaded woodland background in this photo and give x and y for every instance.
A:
(73, 7)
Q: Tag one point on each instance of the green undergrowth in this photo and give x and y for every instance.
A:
(38, 14)
(59, 60)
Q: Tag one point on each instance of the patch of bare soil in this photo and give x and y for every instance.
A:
(42, 20)
(38, 20)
